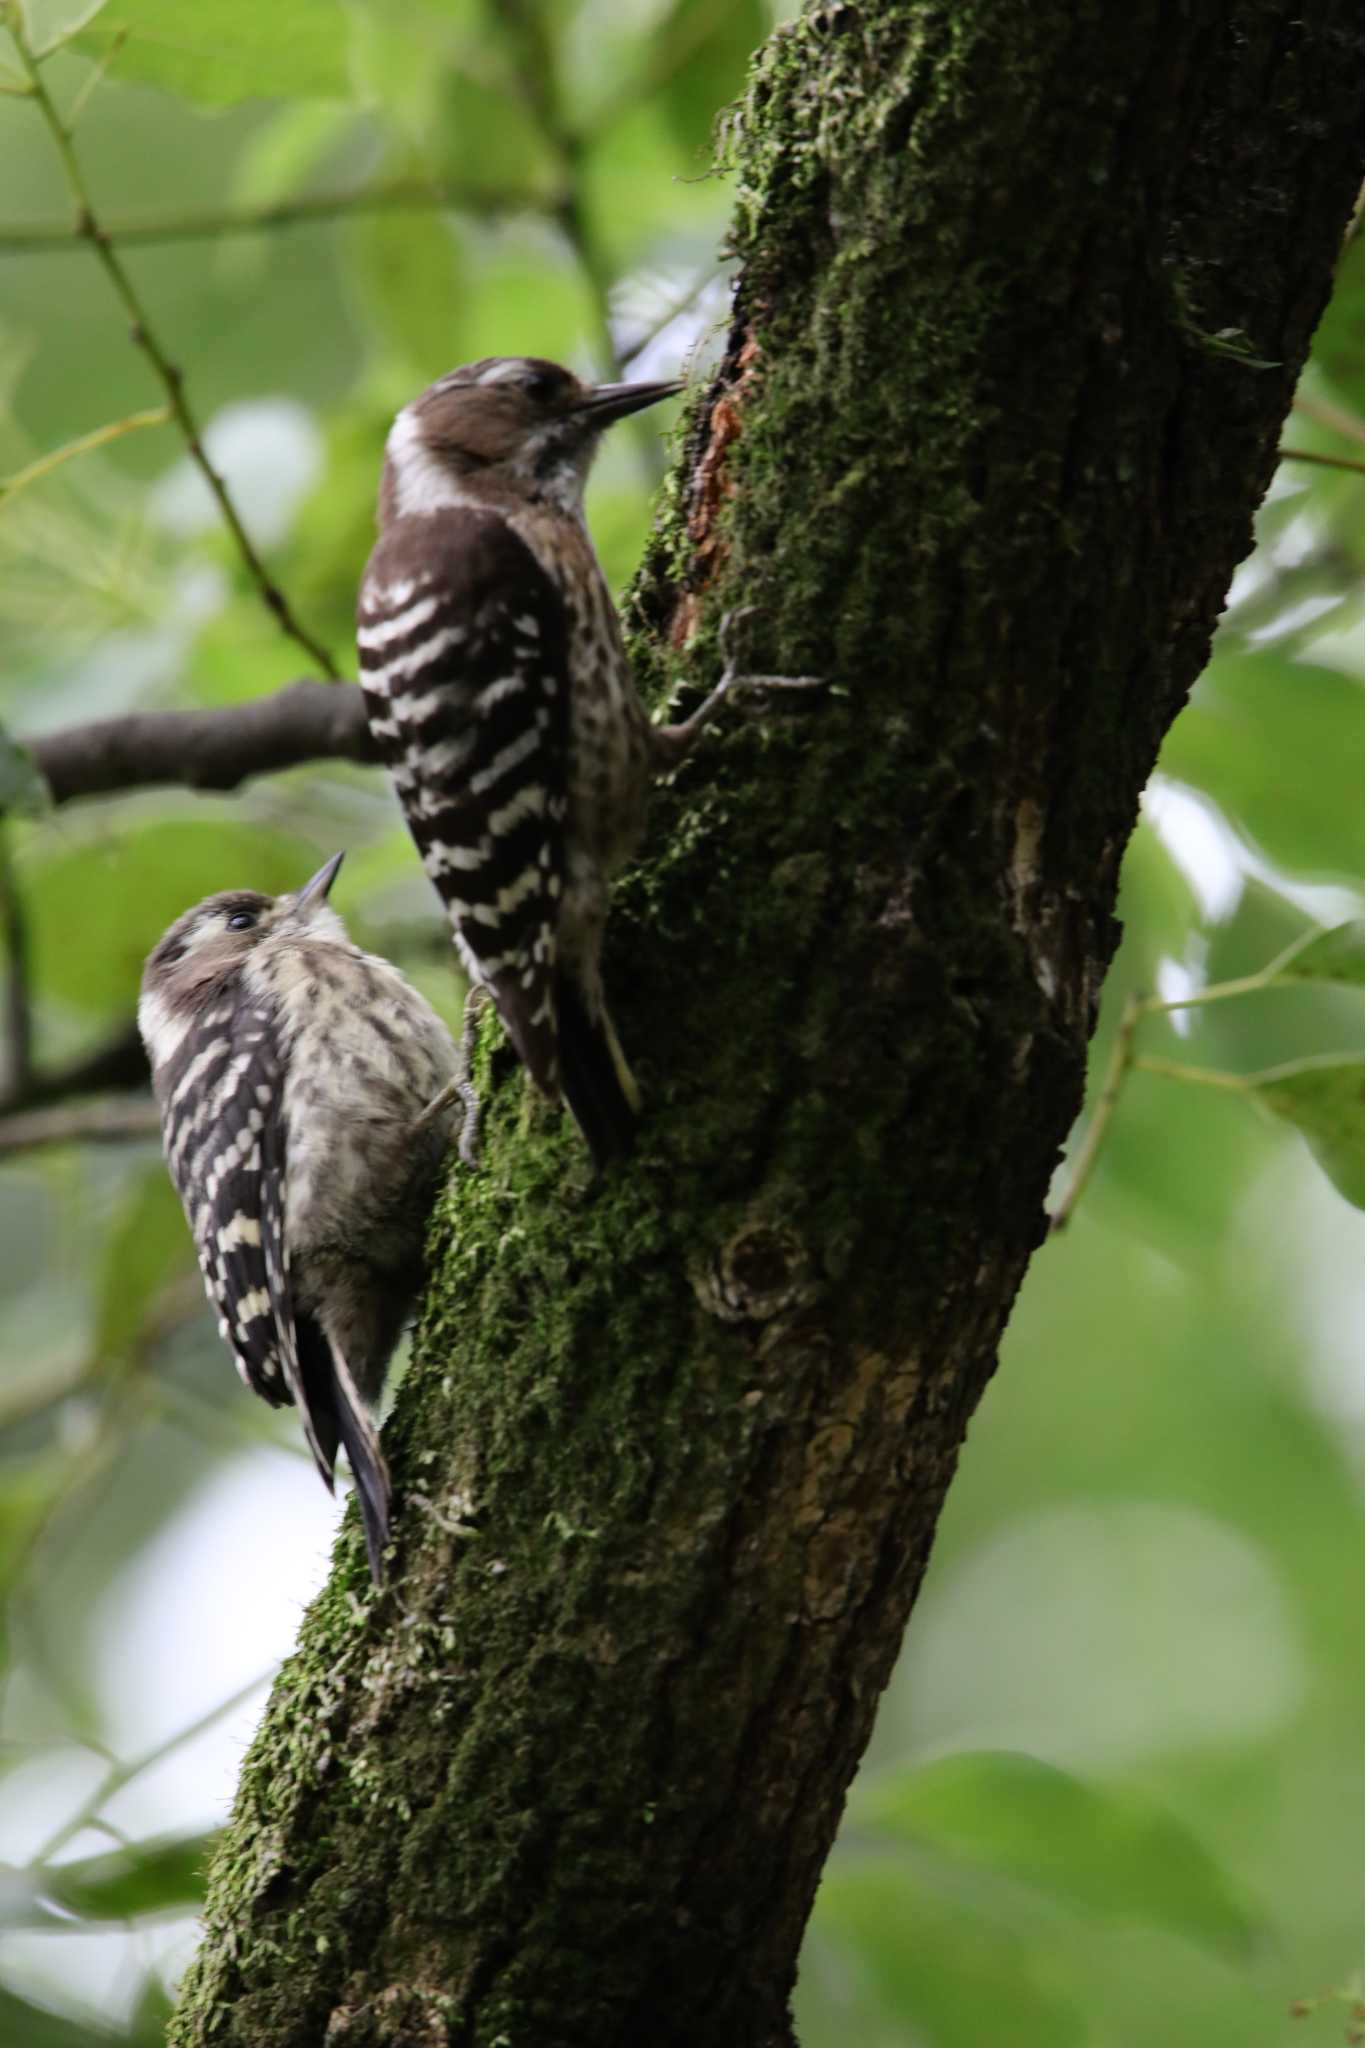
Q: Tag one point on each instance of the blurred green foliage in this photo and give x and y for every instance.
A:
(1115, 1789)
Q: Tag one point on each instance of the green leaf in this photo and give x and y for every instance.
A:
(396, 69)
(21, 1903)
(702, 50)
(147, 1244)
(33, 2026)
(221, 51)
(409, 269)
(959, 1976)
(282, 155)
(1103, 1851)
(120, 894)
(31, 1489)
(158, 1876)
(1337, 356)
(23, 791)
(1324, 1099)
(1276, 743)
(151, 2016)
(1337, 955)
(486, 141)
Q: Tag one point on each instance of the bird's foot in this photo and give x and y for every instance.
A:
(673, 743)
(460, 1086)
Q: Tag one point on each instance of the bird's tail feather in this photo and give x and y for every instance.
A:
(334, 1412)
(595, 1080)
(371, 1474)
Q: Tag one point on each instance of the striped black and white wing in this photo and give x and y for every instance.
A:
(463, 658)
(220, 1098)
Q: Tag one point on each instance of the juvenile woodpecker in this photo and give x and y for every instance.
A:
(290, 1068)
(501, 698)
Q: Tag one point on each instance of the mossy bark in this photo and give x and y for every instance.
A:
(1023, 293)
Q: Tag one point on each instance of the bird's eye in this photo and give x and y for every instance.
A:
(241, 920)
(540, 384)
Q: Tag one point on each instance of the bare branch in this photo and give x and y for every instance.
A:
(120, 1063)
(171, 377)
(1324, 461)
(209, 749)
(110, 1119)
(402, 196)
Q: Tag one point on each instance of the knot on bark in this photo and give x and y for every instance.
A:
(760, 1273)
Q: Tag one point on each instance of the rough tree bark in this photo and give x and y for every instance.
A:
(1023, 294)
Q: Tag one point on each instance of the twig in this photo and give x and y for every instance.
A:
(1328, 415)
(1325, 461)
(157, 416)
(206, 749)
(169, 374)
(1203, 1077)
(1120, 1059)
(107, 1120)
(404, 195)
(18, 1062)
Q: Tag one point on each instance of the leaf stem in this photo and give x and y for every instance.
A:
(156, 416)
(1200, 1077)
(1216, 992)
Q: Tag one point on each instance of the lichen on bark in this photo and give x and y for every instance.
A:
(673, 1446)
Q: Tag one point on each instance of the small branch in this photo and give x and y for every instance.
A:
(18, 1062)
(158, 416)
(1123, 1060)
(169, 374)
(119, 1064)
(209, 749)
(1325, 461)
(108, 1120)
(402, 196)
(1120, 1059)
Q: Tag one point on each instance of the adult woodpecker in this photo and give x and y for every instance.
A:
(501, 699)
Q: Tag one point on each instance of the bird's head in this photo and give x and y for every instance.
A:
(208, 944)
(508, 424)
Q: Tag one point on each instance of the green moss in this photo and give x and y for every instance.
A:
(671, 1450)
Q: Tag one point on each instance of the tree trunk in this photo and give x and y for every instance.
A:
(1023, 294)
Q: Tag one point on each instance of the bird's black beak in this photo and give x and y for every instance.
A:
(319, 885)
(610, 402)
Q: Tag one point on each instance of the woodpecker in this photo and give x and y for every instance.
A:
(290, 1069)
(500, 696)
